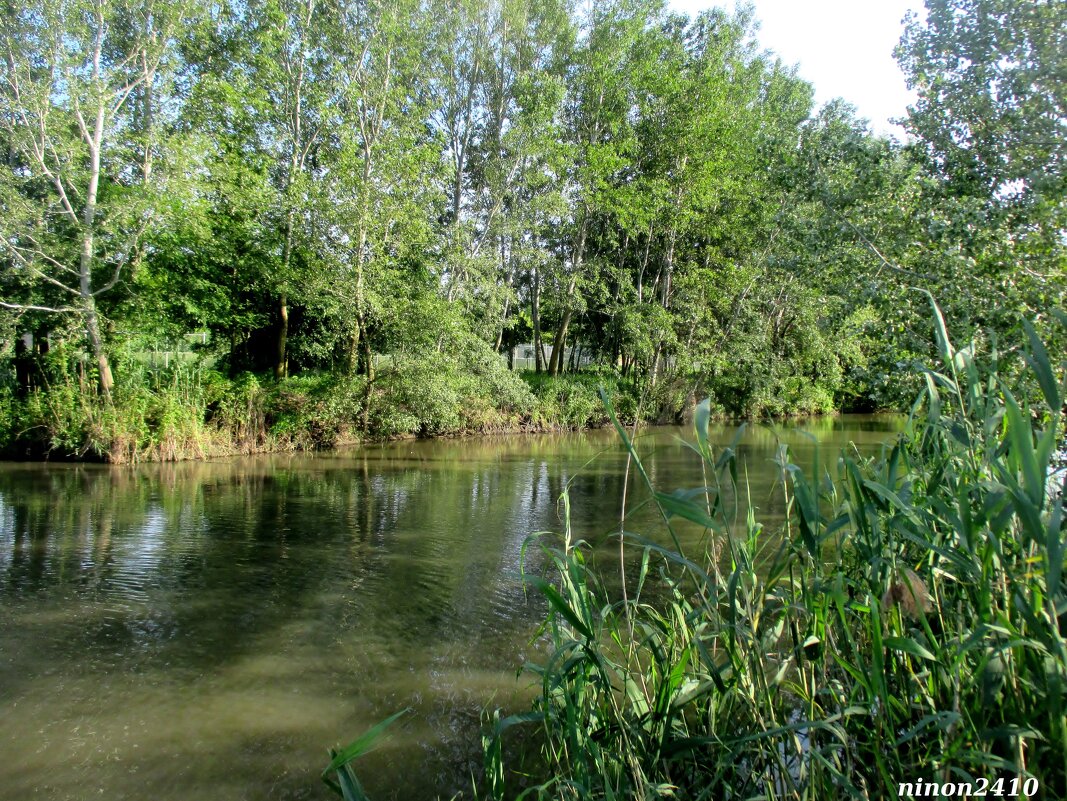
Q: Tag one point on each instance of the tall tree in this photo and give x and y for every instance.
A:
(383, 195)
(266, 98)
(620, 40)
(295, 68)
(78, 117)
(992, 99)
(991, 121)
(519, 152)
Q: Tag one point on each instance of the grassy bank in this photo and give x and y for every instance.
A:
(906, 622)
(189, 412)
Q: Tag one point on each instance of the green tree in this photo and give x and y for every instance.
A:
(620, 41)
(502, 151)
(382, 193)
(82, 182)
(992, 105)
(990, 120)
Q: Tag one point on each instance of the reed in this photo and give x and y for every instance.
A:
(906, 623)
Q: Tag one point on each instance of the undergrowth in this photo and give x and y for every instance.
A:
(906, 621)
(190, 412)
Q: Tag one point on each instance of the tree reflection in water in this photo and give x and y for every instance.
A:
(210, 628)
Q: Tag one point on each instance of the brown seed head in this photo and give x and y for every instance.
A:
(909, 592)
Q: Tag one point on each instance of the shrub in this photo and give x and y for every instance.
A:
(572, 400)
(465, 388)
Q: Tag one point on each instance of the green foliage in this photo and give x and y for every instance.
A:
(991, 98)
(316, 411)
(463, 390)
(905, 622)
(191, 412)
(339, 775)
(330, 189)
(777, 354)
(157, 418)
(572, 401)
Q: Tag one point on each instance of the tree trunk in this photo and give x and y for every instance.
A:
(296, 164)
(96, 342)
(576, 355)
(509, 277)
(368, 370)
(365, 422)
(89, 313)
(85, 263)
(644, 265)
(352, 353)
(368, 356)
(535, 314)
(147, 119)
(555, 364)
(281, 363)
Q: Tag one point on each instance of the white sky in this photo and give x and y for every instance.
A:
(843, 47)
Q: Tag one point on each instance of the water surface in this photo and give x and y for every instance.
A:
(207, 630)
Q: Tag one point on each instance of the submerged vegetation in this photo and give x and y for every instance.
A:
(904, 623)
(359, 210)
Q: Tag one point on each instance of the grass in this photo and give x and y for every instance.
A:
(906, 622)
(191, 412)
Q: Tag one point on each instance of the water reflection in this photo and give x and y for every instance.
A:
(207, 629)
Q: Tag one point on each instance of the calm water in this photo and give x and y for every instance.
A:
(206, 631)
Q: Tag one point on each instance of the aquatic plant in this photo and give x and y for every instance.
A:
(905, 623)
(339, 775)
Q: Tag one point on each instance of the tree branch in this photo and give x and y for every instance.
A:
(30, 307)
(122, 262)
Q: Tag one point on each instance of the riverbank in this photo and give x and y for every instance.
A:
(900, 622)
(193, 413)
(189, 413)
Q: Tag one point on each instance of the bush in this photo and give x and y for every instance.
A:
(572, 400)
(190, 412)
(466, 389)
(416, 394)
(315, 411)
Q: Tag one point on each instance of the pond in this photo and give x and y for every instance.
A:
(207, 630)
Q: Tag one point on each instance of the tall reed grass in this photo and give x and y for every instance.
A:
(906, 622)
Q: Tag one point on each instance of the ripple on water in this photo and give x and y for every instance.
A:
(206, 630)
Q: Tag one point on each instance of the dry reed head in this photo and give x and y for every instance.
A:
(908, 592)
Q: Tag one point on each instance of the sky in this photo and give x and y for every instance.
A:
(843, 47)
